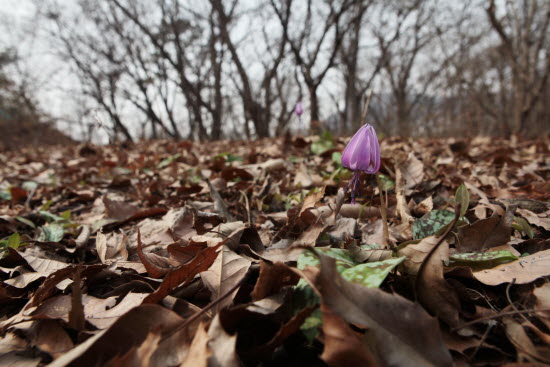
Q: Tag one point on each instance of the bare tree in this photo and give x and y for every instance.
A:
(257, 109)
(179, 70)
(309, 41)
(401, 47)
(524, 33)
(172, 39)
(99, 80)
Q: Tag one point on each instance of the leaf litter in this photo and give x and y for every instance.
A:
(215, 254)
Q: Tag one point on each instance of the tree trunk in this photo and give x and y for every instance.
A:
(402, 114)
(315, 124)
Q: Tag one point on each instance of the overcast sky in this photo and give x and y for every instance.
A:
(18, 28)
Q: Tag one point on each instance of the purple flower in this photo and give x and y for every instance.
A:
(361, 154)
(299, 109)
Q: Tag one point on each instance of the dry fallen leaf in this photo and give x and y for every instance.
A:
(342, 346)
(416, 252)
(434, 292)
(127, 332)
(111, 247)
(185, 273)
(199, 351)
(524, 270)
(100, 197)
(227, 271)
(415, 335)
(485, 233)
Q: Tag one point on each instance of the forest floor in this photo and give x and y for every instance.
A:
(229, 253)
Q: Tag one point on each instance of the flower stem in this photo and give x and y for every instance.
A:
(383, 211)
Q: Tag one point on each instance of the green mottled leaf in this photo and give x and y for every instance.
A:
(121, 171)
(26, 221)
(14, 240)
(370, 275)
(51, 217)
(5, 195)
(101, 222)
(29, 186)
(229, 157)
(482, 260)
(323, 144)
(523, 226)
(343, 258)
(431, 223)
(46, 205)
(233, 158)
(320, 146)
(166, 161)
(462, 197)
(51, 233)
(387, 183)
(337, 158)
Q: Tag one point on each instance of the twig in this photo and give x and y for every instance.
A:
(219, 204)
(483, 338)
(29, 198)
(366, 108)
(247, 207)
(186, 323)
(509, 313)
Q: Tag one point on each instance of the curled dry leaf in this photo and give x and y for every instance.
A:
(413, 172)
(273, 276)
(185, 273)
(311, 200)
(415, 335)
(125, 212)
(485, 233)
(119, 210)
(50, 337)
(111, 247)
(157, 266)
(343, 347)
(354, 211)
(434, 292)
(540, 220)
(309, 237)
(415, 253)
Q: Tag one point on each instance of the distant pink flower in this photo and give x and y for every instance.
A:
(299, 109)
(361, 154)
